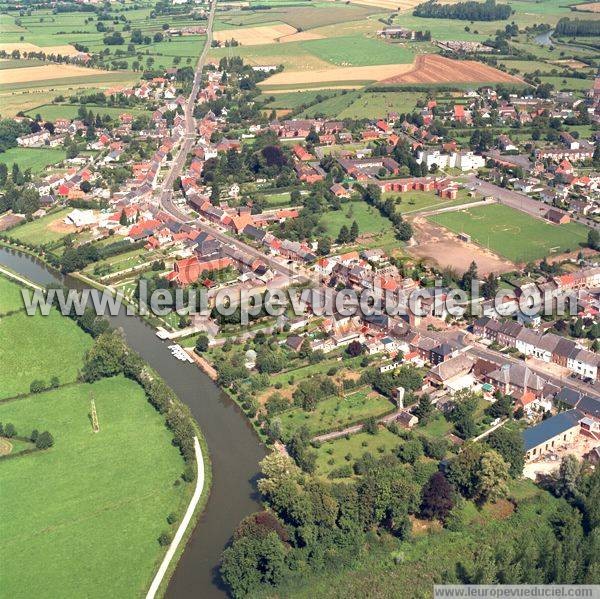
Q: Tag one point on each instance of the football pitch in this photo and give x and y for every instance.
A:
(514, 234)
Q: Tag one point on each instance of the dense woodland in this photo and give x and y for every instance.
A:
(464, 11)
(577, 27)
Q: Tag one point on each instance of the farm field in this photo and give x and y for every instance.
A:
(430, 68)
(365, 104)
(255, 36)
(357, 50)
(336, 413)
(37, 159)
(44, 73)
(28, 351)
(568, 84)
(301, 17)
(513, 234)
(10, 296)
(43, 230)
(99, 501)
(89, 77)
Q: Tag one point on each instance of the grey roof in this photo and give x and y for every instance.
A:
(564, 347)
(518, 375)
(548, 429)
(456, 366)
(549, 342)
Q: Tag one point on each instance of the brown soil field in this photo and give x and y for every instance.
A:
(46, 72)
(443, 247)
(65, 50)
(305, 89)
(60, 226)
(431, 68)
(589, 7)
(255, 36)
(300, 36)
(374, 73)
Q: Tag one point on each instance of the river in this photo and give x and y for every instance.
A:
(233, 445)
(544, 38)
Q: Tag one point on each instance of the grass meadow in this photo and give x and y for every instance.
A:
(10, 296)
(514, 234)
(82, 518)
(39, 231)
(37, 159)
(39, 347)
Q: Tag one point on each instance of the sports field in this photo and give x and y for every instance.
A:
(37, 159)
(514, 234)
(51, 112)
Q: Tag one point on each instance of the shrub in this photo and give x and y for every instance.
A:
(44, 441)
(37, 386)
(189, 474)
(9, 430)
(165, 539)
(172, 518)
(34, 435)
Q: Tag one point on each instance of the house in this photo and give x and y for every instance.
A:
(406, 419)
(449, 371)
(557, 217)
(557, 431)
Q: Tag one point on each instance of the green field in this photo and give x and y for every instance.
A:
(37, 159)
(375, 230)
(37, 231)
(10, 296)
(357, 50)
(514, 234)
(38, 348)
(417, 201)
(51, 112)
(82, 518)
(336, 413)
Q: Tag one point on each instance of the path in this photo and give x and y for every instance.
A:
(355, 428)
(164, 566)
(491, 430)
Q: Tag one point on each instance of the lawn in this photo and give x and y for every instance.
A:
(357, 50)
(39, 347)
(417, 201)
(37, 159)
(39, 231)
(82, 518)
(10, 296)
(514, 234)
(334, 454)
(336, 413)
(374, 230)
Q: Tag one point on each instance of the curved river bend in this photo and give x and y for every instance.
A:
(234, 447)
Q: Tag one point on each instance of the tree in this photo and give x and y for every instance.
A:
(343, 235)
(438, 497)
(370, 426)
(324, 246)
(509, 444)
(424, 409)
(490, 286)
(44, 441)
(469, 276)
(567, 477)
(250, 562)
(354, 349)
(123, 218)
(492, 477)
(105, 358)
(37, 386)
(34, 435)
(354, 231)
(593, 239)
(305, 349)
(9, 430)
(201, 344)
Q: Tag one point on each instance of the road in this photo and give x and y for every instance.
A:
(520, 201)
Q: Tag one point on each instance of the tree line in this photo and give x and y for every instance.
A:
(577, 27)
